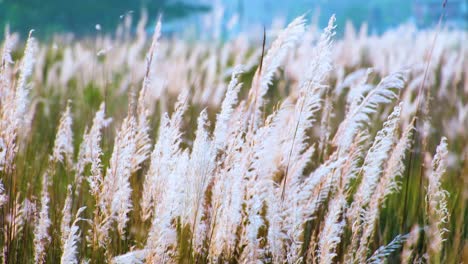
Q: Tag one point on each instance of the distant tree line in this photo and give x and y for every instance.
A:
(81, 16)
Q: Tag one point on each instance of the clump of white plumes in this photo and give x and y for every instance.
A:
(228, 196)
(90, 153)
(155, 178)
(164, 156)
(309, 101)
(304, 200)
(280, 140)
(372, 168)
(386, 186)
(162, 239)
(201, 167)
(164, 184)
(63, 146)
(370, 174)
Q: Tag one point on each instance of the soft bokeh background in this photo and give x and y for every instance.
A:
(221, 18)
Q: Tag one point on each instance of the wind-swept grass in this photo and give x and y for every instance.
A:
(164, 151)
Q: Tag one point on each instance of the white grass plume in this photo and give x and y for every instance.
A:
(8, 46)
(358, 91)
(164, 185)
(370, 174)
(132, 257)
(41, 230)
(436, 199)
(3, 196)
(22, 89)
(91, 152)
(308, 103)
(162, 238)
(395, 166)
(63, 145)
(143, 142)
(383, 252)
(201, 168)
(164, 156)
(221, 129)
(360, 115)
(387, 185)
(321, 63)
(25, 213)
(66, 217)
(5, 62)
(357, 153)
(304, 198)
(275, 56)
(117, 189)
(15, 106)
(70, 246)
(228, 198)
(330, 236)
(373, 164)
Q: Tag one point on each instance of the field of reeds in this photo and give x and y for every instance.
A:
(295, 147)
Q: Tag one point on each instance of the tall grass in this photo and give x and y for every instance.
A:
(122, 151)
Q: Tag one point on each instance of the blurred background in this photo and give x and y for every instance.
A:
(221, 18)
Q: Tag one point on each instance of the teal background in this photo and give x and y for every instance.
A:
(48, 17)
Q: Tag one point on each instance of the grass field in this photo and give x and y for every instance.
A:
(302, 148)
